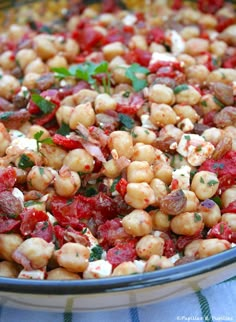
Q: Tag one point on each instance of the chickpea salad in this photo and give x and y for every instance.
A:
(117, 140)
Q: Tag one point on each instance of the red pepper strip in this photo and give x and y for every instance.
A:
(121, 187)
(47, 117)
(169, 248)
(66, 143)
(7, 225)
(230, 208)
(220, 231)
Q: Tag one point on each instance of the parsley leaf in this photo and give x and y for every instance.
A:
(25, 162)
(137, 83)
(180, 88)
(5, 115)
(37, 137)
(126, 120)
(212, 182)
(201, 180)
(61, 72)
(215, 99)
(44, 105)
(197, 217)
(64, 129)
(96, 253)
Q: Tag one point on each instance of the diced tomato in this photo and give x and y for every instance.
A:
(89, 38)
(156, 34)
(7, 178)
(111, 232)
(58, 236)
(208, 118)
(210, 6)
(169, 248)
(121, 187)
(109, 5)
(220, 231)
(44, 230)
(113, 35)
(42, 120)
(183, 241)
(122, 252)
(177, 4)
(230, 208)
(224, 22)
(131, 105)
(66, 143)
(139, 56)
(29, 218)
(230, 62)
(170, 67)
(7, 225)
(226, 181)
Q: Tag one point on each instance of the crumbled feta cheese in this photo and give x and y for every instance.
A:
(14, 134)
(161, 57)
(195, 149)
(93, 241)
(181, 178)
(174, 258)
(186, 125)
(22, 144)
(98, 269)
(175, 41)
(37, 274)
(145, 120)
(129, 20)
(24, 92)
(140, 264)
(19, 195)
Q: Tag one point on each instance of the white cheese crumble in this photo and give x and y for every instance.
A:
(181, 178)
(98, 269)
(129, 20)
(186, 125)
(176, 42)
(37, 274)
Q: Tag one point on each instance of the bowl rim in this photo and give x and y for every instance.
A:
(119, 283)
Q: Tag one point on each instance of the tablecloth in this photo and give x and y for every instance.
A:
(217, 303)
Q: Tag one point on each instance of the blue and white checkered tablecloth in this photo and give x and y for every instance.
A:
(217, 303)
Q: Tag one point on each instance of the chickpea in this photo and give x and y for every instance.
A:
(125, 268)
(30, 80)
(119, 75)
(44, 46)
(33, 253)
(25, 56)
(160, 221)
(213, 135)
(138, 41)
(186, 111)
(156, 262)
(104, 102)
(197, 74)
(212, 246)
(73, 257)
(171, 131)
(36, 66)
(8, 244)
(187, 223)
(218, 48)
(162, 114)
(208, 21)
(8, 269)
(8, 85)
(209, 104)
(230, 219)
(112, 50)
(39, 178)
(144, 152)
(189, 32)
(150, 245)
(5, 139)
(189, 16)
(6, 61)
(79, 160)
(63, 114)
(196, 46)
(163, 171)
(161, 94)
(192, 202)
(57, 61)
(84, 114)
(137, 223)
(210, 212)
(139, 195)
(187, 60)
(224, 75)
(37, 128)
(204, 184)
(231, 132)
(111, 169)
(53, 156)
(98, 269)
(122, 142)
(61, 273)
(160, 190)
(67, 182)
(228, 196)
(192, 248)
(142, 135)
(71, 49)
(189, 96)
(139, 171)
(16, 32)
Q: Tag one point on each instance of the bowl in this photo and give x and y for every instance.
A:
(115, 292)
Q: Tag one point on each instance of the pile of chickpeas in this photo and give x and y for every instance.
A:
(159, 156)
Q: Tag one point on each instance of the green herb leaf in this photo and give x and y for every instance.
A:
(126, 120)
(5, 115)
(32, 203)
(61, 72)
(201, 180)
(96, 253)
(197, 217)
(138, 84)
(44, 105)
(114, 183)
(187, 137)
(217, 200)
(41, 171)
(218, 166)
(215, 99)
(64, 129)
(204, 103)
(180, 88)
(25, 162)
(212, 182)
(91, 191)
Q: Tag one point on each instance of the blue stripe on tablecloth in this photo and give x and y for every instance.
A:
(133, 311)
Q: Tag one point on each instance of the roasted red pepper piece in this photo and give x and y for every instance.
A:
(231, 208)
(66, 143)
(123, 252)
(183, 241)
(121, 187)
(169, 248)
(7, 178)
(29, 218)
(210, 6)
(7, 225)
(44, 230)
(220, 231)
